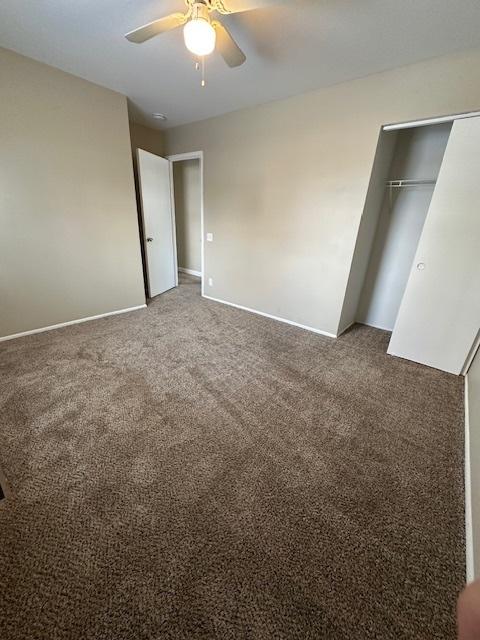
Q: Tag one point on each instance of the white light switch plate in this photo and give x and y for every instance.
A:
(210, 282)
(209, 237)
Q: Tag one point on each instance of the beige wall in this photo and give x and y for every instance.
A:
(186, 179)
(68, 227)
(142, 137)
(474, 419)
(286, 183)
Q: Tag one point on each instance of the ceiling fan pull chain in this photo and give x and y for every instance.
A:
(204, 82)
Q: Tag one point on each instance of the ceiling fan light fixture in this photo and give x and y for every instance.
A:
(199, 36)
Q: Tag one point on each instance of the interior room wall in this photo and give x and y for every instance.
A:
(286, 184)
(142, 137)
(473, 399)
(186, 180)
(69, 242)
(418, 156)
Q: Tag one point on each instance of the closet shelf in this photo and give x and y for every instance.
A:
(408, 183)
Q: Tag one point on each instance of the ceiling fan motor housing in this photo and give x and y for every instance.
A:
(200, 10)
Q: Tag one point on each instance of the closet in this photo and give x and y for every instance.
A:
(417, 157)
(422, 279)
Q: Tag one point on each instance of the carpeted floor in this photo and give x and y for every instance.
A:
(194, 471)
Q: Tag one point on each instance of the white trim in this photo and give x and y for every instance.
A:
(268, 315)
(70, 322)
(190, 155)
(196, 155)
(470, 565)
(190, 272)
(426, 121)
(174, 221)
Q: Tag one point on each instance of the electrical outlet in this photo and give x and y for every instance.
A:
(210, 282)
(209, 237)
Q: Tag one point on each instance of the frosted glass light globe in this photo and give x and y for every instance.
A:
(199, 36)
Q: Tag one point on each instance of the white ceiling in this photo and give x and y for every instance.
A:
(290, 49)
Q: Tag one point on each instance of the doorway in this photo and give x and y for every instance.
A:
(170, 198)
(187, 201)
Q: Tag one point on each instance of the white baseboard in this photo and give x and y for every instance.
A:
(268, 315)
(470, 565)
(67, 324)
(191, 272)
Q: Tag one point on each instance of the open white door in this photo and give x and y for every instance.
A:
(154, 178)
(439, 316)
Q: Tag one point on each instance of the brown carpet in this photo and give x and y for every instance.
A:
(195, 471)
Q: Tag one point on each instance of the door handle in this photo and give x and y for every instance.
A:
(149, 239)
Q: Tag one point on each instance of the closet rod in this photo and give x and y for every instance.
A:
(408, 183)
(427, 121)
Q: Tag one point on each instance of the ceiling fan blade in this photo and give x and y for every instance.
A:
(156, 27)
(228, 48)
(239, 6)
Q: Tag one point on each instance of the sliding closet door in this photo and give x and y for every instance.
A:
(439, 316)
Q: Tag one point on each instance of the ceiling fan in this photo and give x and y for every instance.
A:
(202, 34)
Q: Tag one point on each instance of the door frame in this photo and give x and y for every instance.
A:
(178, 157)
